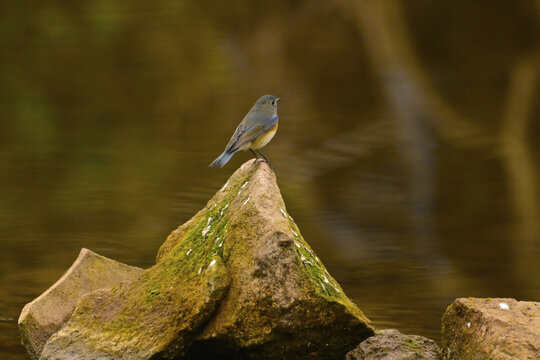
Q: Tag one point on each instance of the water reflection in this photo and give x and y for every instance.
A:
(407, 150)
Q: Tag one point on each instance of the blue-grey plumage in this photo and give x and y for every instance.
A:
(255, 131)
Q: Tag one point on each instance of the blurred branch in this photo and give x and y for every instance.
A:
(520, 165)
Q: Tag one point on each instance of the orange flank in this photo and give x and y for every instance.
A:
(261, 141)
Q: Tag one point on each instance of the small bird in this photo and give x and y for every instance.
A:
(255, 131)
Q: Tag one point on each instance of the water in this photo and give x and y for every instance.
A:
(408, 147)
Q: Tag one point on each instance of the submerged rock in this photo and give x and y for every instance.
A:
(496, 329)
(46, 314)
(236, 280)
(392, 345)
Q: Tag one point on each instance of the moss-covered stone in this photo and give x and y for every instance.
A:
(155, 315)
(238, 278)
(393, 345)
(282, 302)
(494, 329)
(46, 314)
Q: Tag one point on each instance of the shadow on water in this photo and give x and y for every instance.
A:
(407, 149)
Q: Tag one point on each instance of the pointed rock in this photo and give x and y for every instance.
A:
(282, 302)
(46, 314)
(237, 279)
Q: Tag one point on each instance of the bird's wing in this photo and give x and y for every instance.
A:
(246, 132)
(268, 120)
(244, 136)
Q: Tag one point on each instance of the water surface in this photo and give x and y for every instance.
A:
(408, 147)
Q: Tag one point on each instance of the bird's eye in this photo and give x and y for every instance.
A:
(273, 102)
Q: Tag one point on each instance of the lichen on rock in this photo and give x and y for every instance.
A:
(238, 278)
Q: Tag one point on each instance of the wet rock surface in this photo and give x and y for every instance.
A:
(49, 312)
(392, 345)
(496, 329)
(236, 279)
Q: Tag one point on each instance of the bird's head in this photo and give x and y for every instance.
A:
(268, 102)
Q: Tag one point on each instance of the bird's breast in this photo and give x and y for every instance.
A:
(264, 139)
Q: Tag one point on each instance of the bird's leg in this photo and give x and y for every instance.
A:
(265, 158)
(254, 153)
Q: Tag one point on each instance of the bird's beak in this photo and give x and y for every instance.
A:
(277, 100)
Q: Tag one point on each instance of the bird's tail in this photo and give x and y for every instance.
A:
(222, 159)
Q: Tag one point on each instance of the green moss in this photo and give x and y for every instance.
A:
(324, 283)
(413, 345)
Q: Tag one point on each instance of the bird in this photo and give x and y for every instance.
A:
(254, 131)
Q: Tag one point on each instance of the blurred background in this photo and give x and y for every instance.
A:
(408, 150)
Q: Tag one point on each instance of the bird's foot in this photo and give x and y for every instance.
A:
(268, 162)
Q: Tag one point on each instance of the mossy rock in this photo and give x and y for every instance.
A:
(236, 279)
(49, 312)
(155, 315)
(491, 329)
(392, 345)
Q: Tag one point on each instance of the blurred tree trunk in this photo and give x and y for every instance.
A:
(387, 43)
(417, 103)
(520, 165)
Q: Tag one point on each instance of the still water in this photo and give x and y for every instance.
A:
(408, 150)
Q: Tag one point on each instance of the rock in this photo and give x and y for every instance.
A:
(154, 316)
(236, 280)
(495, 329)
(51, 310)
(393, 345)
